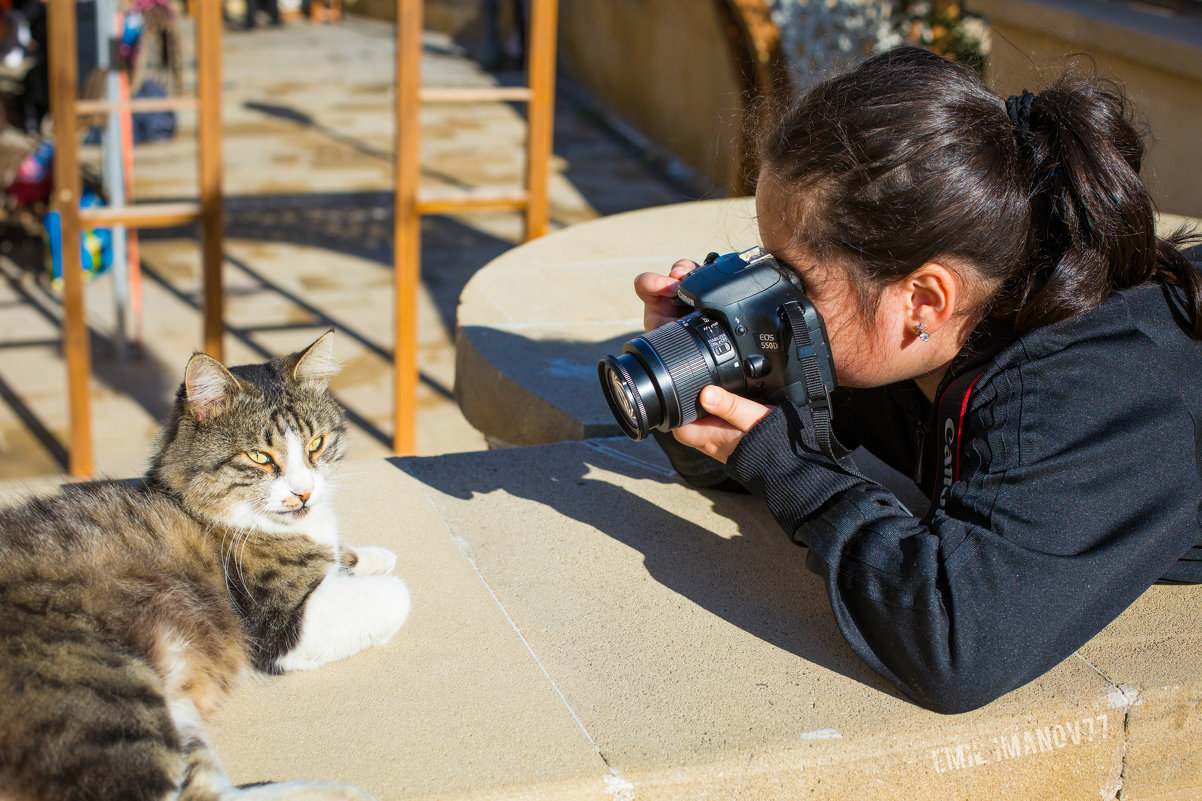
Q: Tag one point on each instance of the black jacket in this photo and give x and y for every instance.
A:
(1080, 486)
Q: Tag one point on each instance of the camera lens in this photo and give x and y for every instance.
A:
(629, 391)
(657, 381)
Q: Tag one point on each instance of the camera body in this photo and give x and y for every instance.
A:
(751, 331)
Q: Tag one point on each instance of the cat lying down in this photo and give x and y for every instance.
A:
(128, 612)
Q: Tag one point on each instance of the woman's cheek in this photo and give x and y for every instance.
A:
(846, 348)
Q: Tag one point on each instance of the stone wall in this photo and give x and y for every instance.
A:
(665, 66)
(679, 71)
(1156, 55)
(446, 16)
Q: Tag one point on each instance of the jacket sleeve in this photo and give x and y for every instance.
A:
(1050, 536)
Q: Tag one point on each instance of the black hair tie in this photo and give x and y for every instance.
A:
(1018, 108)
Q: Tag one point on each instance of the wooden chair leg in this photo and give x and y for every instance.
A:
(67, 187)
(407, 235)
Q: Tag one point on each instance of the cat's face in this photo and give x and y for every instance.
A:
(254, 447)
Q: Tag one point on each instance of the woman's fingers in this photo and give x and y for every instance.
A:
(682, 268)
(657, 291)
(731, 417)
(710, 435)
(734, 409)
(653, 286)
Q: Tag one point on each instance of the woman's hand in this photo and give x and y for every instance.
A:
(656, 291)
(731, 417)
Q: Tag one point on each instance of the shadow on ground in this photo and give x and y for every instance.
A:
(755, 581)
(358, 224)
(136, 373)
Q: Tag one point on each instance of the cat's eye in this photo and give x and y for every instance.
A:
(259, 458)
(315, 446)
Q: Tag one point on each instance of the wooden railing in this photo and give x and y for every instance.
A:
(539, 95)
(207, 211)
(65, 108)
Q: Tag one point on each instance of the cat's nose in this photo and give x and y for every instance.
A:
(304, 496)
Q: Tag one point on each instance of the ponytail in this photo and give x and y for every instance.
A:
(1092, 222)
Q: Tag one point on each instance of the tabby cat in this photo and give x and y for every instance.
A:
(128, 611)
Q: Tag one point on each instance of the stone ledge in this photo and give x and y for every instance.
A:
(587, 627)
(534, 322)
(1154, 37)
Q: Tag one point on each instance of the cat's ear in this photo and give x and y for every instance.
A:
(317, 363)
(208, 385)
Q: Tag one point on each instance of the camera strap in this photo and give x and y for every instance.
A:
(817, 405)
(953, 404)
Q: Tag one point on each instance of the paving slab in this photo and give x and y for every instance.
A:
(1151, 654)
(586, 626)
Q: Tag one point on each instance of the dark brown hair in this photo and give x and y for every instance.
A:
(910, 157)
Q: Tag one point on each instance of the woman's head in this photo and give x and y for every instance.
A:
(1036, 211)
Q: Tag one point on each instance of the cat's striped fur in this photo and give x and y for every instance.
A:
(128, 611)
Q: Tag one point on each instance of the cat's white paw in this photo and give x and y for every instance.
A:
(346, 614)
(373, 561)
(391, 601)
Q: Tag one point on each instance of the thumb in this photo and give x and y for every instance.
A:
(740, 412)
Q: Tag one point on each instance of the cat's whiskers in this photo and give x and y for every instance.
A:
(259, 510)
(226, 554)
(225, 572)
(339, 479)
(235, 554)
(246, 532)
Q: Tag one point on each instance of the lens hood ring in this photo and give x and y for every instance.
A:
(634, 425)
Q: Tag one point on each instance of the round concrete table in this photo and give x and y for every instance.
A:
(534, 322)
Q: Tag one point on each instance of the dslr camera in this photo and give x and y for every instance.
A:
(751, 331)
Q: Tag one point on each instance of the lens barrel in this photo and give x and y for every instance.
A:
(631, 395)
(657, 381)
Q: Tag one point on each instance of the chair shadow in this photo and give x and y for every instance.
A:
(138, 374)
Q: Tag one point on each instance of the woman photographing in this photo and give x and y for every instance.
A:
(1004, 250)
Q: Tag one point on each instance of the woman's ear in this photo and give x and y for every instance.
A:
(931, 294)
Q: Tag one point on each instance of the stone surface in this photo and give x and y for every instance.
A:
(586, 626)
(1151, 654)
(1156, 54)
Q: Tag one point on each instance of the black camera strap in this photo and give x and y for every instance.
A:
(952, 406)
(817, 405)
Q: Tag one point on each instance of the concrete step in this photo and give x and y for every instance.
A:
(586, 626)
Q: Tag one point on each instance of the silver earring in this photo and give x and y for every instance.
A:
(922, 332)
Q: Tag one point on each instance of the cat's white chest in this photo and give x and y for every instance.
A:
(320, 525)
